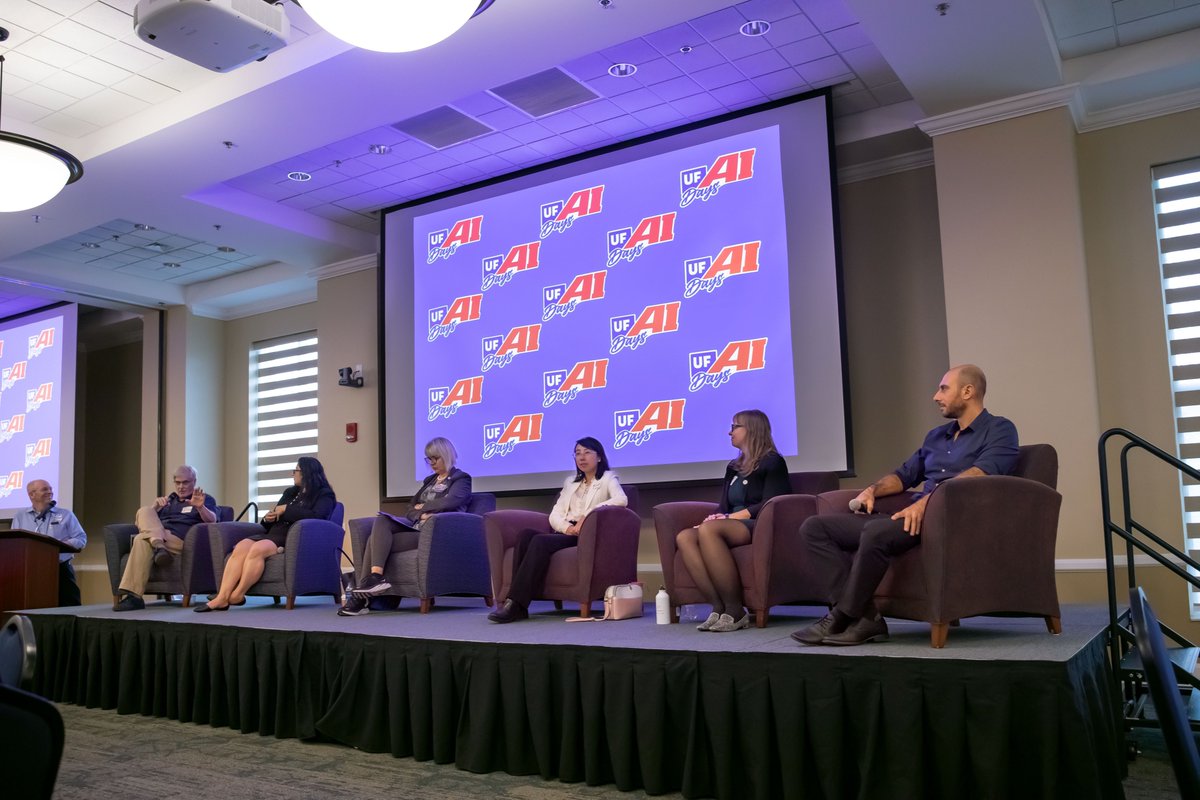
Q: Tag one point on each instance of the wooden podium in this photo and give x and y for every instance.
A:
(29, 569)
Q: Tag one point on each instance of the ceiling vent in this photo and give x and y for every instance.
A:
(442, 127)
(544, 93)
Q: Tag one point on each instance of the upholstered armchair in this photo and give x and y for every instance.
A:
(606, 554)
(773, 566)
(190, 573)
(309, 564)
(987, 547)
(448, 555)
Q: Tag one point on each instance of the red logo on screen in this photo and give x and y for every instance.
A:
(702, 183)
(40, 342)
(559, 215)
(36, 451)
(35, 397)
(11, 426)
(10, 375)
(628, 332)
(563, 386)
(444, 320)
(1, 348)
(499, 351)
(561, 299)
(626, 244)
(707, 274)
(11, 481)
(710, 368)
(444, 243)
(498, 271)
(635, 427)
(446, 401)
(499, 438)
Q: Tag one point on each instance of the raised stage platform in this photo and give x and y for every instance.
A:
(1004, 711)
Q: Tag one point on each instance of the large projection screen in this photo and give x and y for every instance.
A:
(37, 405)
(641, 294)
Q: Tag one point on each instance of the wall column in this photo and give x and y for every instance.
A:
(1017, 294)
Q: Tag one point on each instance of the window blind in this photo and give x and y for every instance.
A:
(283, 412)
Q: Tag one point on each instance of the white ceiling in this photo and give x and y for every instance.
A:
(151, 128)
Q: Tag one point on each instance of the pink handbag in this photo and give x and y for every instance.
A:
(623, 601)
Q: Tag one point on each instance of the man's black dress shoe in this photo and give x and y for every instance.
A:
(129, 602)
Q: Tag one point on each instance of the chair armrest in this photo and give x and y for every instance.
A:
(608, 545)
(196, 550)
(222, 536)
(452, 551)
(501, 529)
(669, 520)
(776, 547)
(118, 538)
(311, 547)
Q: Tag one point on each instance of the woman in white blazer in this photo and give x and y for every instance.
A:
(593, 485)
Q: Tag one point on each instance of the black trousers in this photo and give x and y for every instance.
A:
(852, 552)
(68, 588)
(531, 562)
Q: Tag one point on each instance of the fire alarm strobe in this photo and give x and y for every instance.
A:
(220, 35)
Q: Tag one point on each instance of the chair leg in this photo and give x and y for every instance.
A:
(291, 602)
(585, 609)
(426, 604)
(938, 631)
(187, 600)
(275, 599)
(1054, 625)
(116, 599)
(674, 615)
(760, 617)
(558, 605)
(487, 600)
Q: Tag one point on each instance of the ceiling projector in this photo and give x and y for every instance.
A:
(220, 35)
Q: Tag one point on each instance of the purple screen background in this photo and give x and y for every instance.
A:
(745, 307)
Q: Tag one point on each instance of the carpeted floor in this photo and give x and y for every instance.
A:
(146, 758)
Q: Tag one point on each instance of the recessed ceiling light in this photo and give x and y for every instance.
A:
(687, 48)
(226, 249)
(172, 264)
(91, 245)
(755, 27)
(141, 226)
(299, 176)
(158, 246)
(622, 70)
(379, 149)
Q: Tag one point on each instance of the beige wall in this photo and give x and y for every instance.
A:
(1017, 293)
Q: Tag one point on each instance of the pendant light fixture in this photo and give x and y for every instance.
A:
(392, 26)
(31, 171)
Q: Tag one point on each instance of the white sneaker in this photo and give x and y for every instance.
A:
(708, 623)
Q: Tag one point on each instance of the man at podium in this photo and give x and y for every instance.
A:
(49, 519)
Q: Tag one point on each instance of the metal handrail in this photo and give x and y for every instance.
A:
(249, 505)
(1170, 559)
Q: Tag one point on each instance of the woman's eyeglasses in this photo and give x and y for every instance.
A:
(735, 426)
(430, 460)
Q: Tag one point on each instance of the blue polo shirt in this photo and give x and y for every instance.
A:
(989, 443)
(178, 516)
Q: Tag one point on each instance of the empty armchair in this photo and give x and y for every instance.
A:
(606, 553)
(987, 547)
(191, 573)
(772, 566)
(448, 556)
(308, 565)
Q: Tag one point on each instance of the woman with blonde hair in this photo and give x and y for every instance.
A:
(448, 488)
(754, 477)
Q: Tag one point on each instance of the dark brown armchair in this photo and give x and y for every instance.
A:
(606, 554)
(773, 566)
(987, 547)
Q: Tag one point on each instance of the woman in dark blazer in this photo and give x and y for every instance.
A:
(447, 489)
(309, 497)
(754, 477)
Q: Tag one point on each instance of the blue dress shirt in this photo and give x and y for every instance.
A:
(989, 443)
(57, 523)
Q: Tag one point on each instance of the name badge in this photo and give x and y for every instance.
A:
(188, 509)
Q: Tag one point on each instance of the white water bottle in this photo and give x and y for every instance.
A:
(662, 606)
